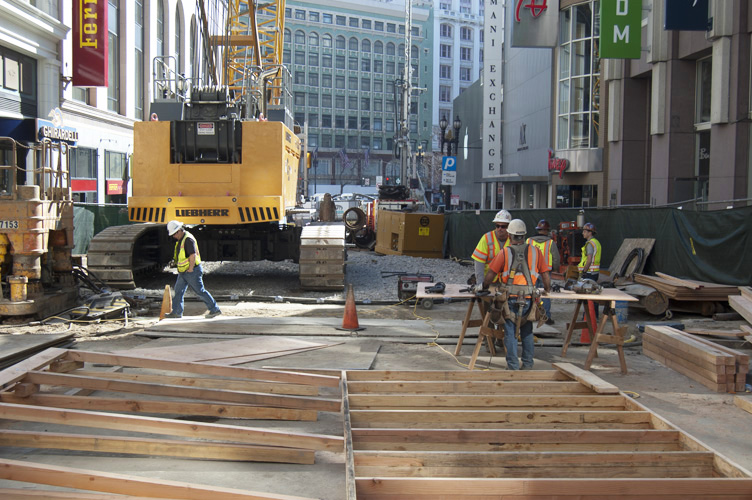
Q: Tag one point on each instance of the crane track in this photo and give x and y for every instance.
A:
(120, 253)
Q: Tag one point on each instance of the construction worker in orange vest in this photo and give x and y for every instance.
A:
(491, 244)
(518, 267)
(543, 242)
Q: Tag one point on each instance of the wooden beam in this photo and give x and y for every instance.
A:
(470, 387)
(204, 368)
(586, 378)
(19, 494)
(488, 419)
(161, 447)
(511, 401)
(130, 405)
(493, 375)
(208, 383)
(103, 384)
(548, 488)
(744, 403)
(195, 430)
(16, 372)
(88, 480)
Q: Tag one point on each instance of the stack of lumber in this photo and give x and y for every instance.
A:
(682, 289)
(714, 366)
(322, 257)
(743, 303)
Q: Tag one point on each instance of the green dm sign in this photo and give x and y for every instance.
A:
(621, 27)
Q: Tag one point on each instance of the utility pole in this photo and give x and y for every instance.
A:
(407, 165)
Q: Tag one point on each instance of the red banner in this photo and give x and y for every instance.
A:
(90, 43)
(81, 185)
(114, 187)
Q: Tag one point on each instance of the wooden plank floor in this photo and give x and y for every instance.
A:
(534, 435)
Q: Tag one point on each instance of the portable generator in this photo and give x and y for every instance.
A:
(407, 284)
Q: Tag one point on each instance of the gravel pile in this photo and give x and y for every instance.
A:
(369, 273)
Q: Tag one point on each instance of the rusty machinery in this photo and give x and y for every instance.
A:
(569, 241)
(36, 228)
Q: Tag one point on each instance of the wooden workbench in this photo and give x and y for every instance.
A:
(452, 291)
(608, 297)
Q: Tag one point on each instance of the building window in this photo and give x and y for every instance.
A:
(313, 121)
(299, 99)
(352, 102)
(339, 122)
(352, 122)
(113, 70)
(313, 79)
(365, 123)
(339, 62)
(326, 81)
(466, 54)
(300, 37)
(138, 62)
(378, 66)
(466, 34)
(326, 18)
(378, 104)
(390, 67)
(326, 60)
(84, 163)
(300, 14)
(391, 28)
(339, 82)
(313, 59)
(313, 100)
(352, 63)
(365, 104)
(445, 93)
(377, 124)
(341, 21)
(577, 105)
(378, 47)
(326, 101)
(326, 41)
(377, 142)
(326, 141)
(326, 121)
(160, 28)
(445, 71)
(378, 26)
(339, 141)
(300, 78)
(353, 43)
(179, 41)
(313, 39)
(445, 50)
(365, 65)
(465, 74)
(313, 16)
(354, 22)
(703, 86)
(299, 57)
(366, 24)
(446, 31)
(390, 49)
(286, 56)
(339, 102)
(365, 84)
(352, 83)
(365, 46)
(115, 165)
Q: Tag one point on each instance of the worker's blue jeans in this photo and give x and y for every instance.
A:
(594, 277)
(546, 302)
(194, 280)
(526, 338)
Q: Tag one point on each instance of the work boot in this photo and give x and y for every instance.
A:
(173, 315)
(550, 321)
(212, 314)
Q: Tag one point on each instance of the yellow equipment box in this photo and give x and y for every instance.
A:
(410, 233)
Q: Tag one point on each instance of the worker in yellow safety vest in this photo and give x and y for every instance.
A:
(590, 261)
(543, 242)
(491, 243)
(190, 272)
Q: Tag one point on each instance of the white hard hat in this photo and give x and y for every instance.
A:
(517, 228)
(503, 216)
(174, 226)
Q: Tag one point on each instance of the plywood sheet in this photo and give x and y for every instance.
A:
(626, 247)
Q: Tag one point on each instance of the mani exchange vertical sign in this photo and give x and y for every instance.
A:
(493, 33)
(621, 29)
(90, 43)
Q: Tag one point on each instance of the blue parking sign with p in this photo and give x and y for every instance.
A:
(449, 164)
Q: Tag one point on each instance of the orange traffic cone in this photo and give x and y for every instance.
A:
(585, 334)
(166, 303)
(350, 320)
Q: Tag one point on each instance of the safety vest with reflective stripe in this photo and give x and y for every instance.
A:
(519, 277)
(544, 247)
(488, 247)
(596, 265)
(181, 258)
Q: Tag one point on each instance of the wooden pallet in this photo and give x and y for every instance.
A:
(322, 257)
(562, 434)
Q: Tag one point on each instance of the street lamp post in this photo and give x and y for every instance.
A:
(449, 138)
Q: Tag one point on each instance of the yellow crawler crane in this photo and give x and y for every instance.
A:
(221, 158)
(36, 229)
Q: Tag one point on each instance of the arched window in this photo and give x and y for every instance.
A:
(445, 31)
(414, 52)
(365, 46)
(288, 36)
(178, 40)
(390, 49)
(354, 43)
(326, 41)
(313, 39)
(341, 42)
(378, 47)
(401, 50)
(300, 37)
